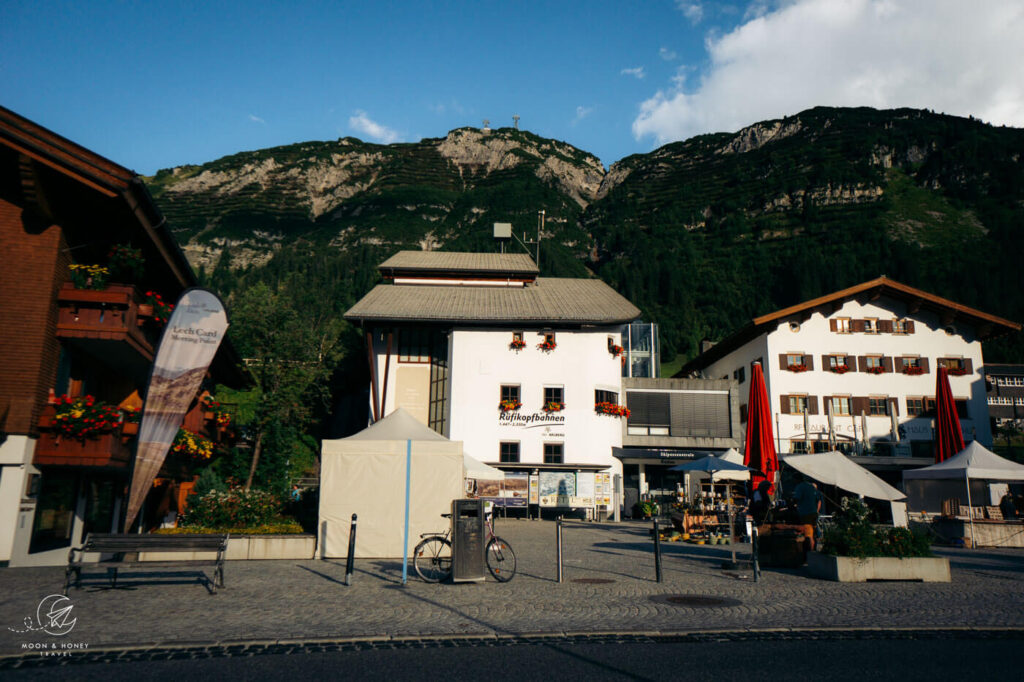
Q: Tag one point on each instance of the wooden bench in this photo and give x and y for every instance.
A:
(125, 551)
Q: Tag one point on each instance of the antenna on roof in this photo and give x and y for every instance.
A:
(515, 121)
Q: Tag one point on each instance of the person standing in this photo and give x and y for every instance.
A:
(808, 504)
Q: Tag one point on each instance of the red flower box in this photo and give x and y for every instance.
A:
(547, 346)
(612, 409)
(509, 405)
(554, 406)
(956, 371)
(616, 351)
(840, 369)
(797, 368)
(876, 370)
(913, 371)
(517, 344)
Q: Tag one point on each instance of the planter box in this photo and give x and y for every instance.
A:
(249, 547)
(846, 569)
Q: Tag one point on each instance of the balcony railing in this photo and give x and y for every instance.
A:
(115, 314)
(108, 449)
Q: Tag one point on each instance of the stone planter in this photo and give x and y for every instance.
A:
(853, 570)
(249, 547)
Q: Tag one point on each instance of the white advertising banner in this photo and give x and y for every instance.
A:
(186, 349)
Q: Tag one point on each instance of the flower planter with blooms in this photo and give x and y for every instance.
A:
(85, 276)
(616, 351)
(913, 371)
(219, 414)
(840, 369)
(192, 445)
(84, 416)
(553, 406)
(612, 409)
(876, 370)
(797, 368)
(547, 346)
(956, 371)
(517, 344)
(509, 405)
(161, 309)
(125, 262)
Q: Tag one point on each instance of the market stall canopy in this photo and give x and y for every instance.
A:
(835, 468)
(974, 461)
(730, 455)
(712, 465)
(480, 471)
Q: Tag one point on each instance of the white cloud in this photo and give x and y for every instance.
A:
(693, 11)
(361, 123)
(637, 72)
(947, 55)
(256, 119)
(667, 54)
(581, 113)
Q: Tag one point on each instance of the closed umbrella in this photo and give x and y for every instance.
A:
(949, 438)
(759, 449)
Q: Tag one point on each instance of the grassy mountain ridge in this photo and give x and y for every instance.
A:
(701, 234)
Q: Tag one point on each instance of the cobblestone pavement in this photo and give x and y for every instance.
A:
(275, 602)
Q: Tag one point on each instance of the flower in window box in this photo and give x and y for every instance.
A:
(912, 370)
(85, 276)
(547, 345)
(84, 416)
(509, 405)
(840, 369)
(192, 445)
(957, 371)
(553, 406)
(517, 344)
(800, 367)
(612, 409)
(616, 351)
(125, 262)
(877, 369)
(161, 309)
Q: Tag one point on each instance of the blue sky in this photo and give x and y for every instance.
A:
(157, 84)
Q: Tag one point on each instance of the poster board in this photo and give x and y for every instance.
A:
(603, 489)
(534, 489)
(512, 492)
(585, 487)
(556, 488)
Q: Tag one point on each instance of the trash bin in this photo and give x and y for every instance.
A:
(468, 535)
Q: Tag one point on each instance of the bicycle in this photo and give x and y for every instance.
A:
(432, 557)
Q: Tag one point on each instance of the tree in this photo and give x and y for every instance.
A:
(291, 357)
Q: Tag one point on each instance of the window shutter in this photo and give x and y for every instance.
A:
(809, 361)
(782, 361)
(924, 365)
(824, 361)
(859, 405)
(887, 363)
(901, 362)
(910, 326)
(862, 363)
(856, 325)
(833, 325)
(885, 326)
(784, 404)
(812, 404)
(969, 365)
(826, 404)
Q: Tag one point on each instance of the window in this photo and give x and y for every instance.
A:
(414, 345)
(509, 452)
(798, 447)
(842, 325)
(874, 362)
(797, 404)
(553, 394)
(838, 362)
(517, 336)
(916, 407)
(601, 396)
(740, 375)
(900, 326)
(951, 363)
(840, 405)
(510, 392)
(792, 359)
(912, 362)
(553, 453)
(871, 325)
(878, 407)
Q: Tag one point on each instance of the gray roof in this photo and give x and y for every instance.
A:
(443, 261)
(551, 301)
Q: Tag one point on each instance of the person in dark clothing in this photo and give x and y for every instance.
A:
(760, 503)
(1007, 507)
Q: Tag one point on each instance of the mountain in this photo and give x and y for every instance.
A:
(701, 234)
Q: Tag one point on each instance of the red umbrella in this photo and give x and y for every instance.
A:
(759, 452)
(949, 438)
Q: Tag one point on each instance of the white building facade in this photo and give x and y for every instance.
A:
(856, 370)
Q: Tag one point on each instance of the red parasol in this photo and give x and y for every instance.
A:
(949, 438)
(759, 452)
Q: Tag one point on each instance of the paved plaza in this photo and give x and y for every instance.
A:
(305, 601)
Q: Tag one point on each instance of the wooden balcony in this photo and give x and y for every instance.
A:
(110, 323)
(109, 450)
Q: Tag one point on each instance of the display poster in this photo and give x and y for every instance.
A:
(585, 484)
(534, 490)
(512, 492)
(189, 342)
(603, 489)
(556, 488)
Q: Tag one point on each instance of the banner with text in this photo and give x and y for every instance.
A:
(187, 347)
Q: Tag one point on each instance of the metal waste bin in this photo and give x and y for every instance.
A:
(468, 535)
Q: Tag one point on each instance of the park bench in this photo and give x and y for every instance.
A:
(124, 553)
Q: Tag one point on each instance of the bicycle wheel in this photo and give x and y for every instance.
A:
(432, 559)
(501, 560)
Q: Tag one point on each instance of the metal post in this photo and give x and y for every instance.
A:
(351, 557)
(755, 562)
(657, 551)
(558, 540)
(616, 496)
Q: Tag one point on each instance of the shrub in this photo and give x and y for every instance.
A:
(282, 527)
(233, 508)
(852, 534)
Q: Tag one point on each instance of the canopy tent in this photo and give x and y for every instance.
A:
(366, 474)
(732, 456)
(480, 471)
(712, 465)
(835, 468)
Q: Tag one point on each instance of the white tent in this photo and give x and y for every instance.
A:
(480, 471)
(365, 474)
(835, 468)
(730, 455)
(974, 461)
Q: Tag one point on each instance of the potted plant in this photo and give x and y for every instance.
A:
(957, 371)
(877, 369)
(840, 369)
(159, 309)
(517, 344)
(192, 445)
(89, 276)
(125, 262)
(912, 370)
(799, 367)
(553, 406)
(612, 409)
(547, 345)
(82, 417)
(214, 411)
(509, 405)
(615, 350)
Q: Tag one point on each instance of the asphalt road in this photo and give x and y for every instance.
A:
(876, 657)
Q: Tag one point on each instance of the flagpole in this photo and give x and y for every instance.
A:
(405, 540)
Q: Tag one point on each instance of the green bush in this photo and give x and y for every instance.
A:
(853, 534)
(282, 527)
(232, 508)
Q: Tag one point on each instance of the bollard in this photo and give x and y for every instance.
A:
(558, 540)
(657, 551)
(753, 554)
(351, 559)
